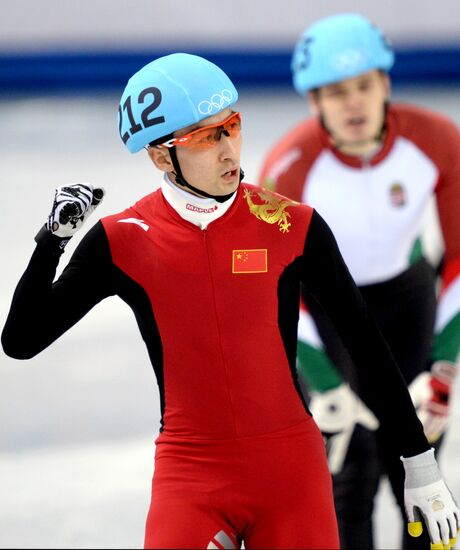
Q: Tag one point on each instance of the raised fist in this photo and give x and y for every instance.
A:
(72, 205)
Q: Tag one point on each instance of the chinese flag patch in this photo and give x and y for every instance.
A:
(250, 261)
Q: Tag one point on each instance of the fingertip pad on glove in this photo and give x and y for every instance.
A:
(415, 528)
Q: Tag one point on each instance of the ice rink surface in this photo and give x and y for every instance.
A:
(78, 422)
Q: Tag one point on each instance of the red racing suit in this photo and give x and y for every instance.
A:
(239, 456)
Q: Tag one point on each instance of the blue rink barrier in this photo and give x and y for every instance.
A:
(109, 71)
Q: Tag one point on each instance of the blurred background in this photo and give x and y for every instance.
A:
(78, 422)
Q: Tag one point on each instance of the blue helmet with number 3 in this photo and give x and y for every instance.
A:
(171, 93)
(336, 48)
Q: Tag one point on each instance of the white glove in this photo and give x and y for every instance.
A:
(430, 394)
(427, 497)
(336, 413)
(72, 205)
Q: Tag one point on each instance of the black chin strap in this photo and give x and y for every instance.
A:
(182, 181)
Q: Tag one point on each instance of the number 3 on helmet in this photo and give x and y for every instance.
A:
(336, 48)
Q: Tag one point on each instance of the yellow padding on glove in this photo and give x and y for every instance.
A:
(415, 528)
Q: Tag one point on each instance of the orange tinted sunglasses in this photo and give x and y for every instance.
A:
(208, 136)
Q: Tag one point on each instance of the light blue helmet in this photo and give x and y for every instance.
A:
(336, 48)
(171, 93)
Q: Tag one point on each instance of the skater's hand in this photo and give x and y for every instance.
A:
(430, 393)
(72, 205)
(429, 502)
(336, 413)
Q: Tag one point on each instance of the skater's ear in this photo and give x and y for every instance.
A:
(161, 158)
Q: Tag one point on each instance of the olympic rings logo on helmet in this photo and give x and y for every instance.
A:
(170, 93)
(337, 47)
(217, 101)
(348, 60)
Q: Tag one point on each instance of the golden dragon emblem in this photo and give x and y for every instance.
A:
(272, 210)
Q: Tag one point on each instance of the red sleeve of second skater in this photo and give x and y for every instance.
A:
(287, 164)
(439, 138)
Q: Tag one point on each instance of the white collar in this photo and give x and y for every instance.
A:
(198, 210)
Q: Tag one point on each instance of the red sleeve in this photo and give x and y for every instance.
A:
(287, 164)
(439, 138)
